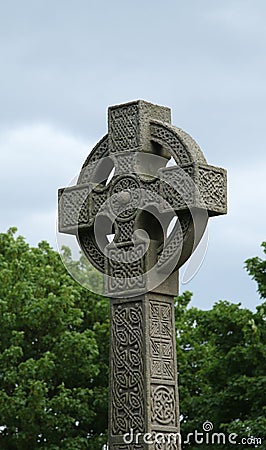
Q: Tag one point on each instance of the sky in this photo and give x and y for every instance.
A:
(64, 62)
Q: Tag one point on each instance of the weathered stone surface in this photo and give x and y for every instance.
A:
(139, 143)
(144, 395)
(127, 188)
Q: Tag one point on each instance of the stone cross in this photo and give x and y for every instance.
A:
(148, 184)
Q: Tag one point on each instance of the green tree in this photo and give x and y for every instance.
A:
(54, 356)
(256, 267)
(53, 353)
(221, 355)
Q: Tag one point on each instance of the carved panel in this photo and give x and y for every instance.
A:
(73, 210)
(161, 341)
(161, 319)
(127, 404)
(212, 186)
(124, 128)
(163, 405)
(125, 266)
(161, 359)
(150, 193)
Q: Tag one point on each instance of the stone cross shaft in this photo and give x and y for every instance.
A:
(148, 185)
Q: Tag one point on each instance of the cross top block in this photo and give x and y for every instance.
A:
(143, 177)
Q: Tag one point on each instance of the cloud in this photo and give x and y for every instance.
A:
(233, 239)
(35, 161)
(62, 65)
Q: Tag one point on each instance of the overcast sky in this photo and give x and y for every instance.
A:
(64, 62)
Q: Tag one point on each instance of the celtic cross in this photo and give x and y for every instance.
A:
(148, 184)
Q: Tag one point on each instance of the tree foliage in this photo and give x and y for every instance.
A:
(222, 362)
(54, 356)
(256, 267)
(53, 353)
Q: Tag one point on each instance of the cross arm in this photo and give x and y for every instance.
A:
(73, 212)
(194, 186)
(78, 206)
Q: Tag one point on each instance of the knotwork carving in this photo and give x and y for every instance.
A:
(130, 188)
(163, 405)
(178, 142)
(165, 136)
(150, 192)
(161, 319)
(126, 188)
(167, 445)
(73, 208)
(125, 229)
(127, 366)
(124, 162)
(124, 128)
(91, 250)
(175, 241)
(126, 266)
(98, 199)
(178, 188)
(212, 187)
(125, 197)
(161, 341)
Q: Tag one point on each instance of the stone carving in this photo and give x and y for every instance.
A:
(126, 266)
(124, 229)
(116, 183)
(124, 162)
(91, 249)
(72, 208)
(161, 341)
(160, 319)
(212, 185)
(97, 200)
(125, 197)
(177, 187)
(162, 360)
(175, 241)
(127, 367)
(163, 405)
(165, 136)
(183, 139)
(167, 445)
(123, 128)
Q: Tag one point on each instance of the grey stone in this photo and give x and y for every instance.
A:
(141, 264)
